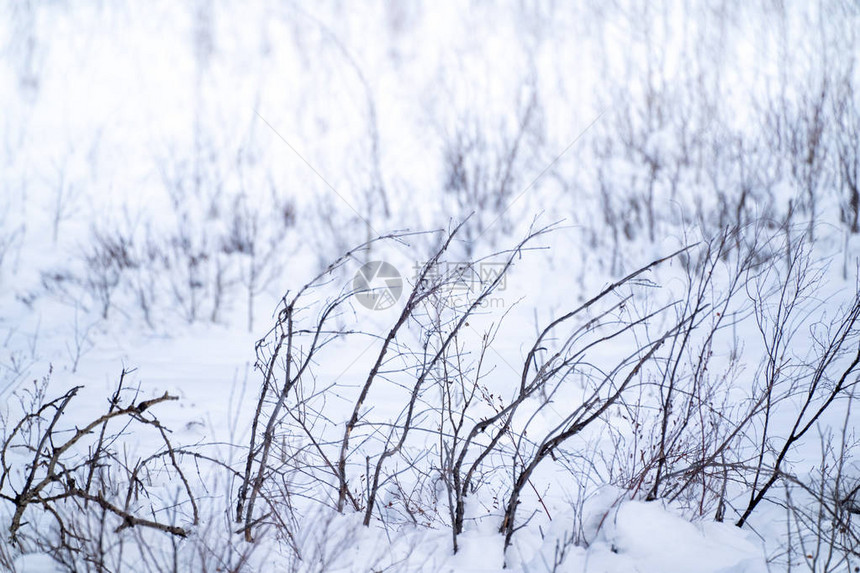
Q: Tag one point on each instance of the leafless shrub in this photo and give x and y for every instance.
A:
(818, 378)
(822, 535)
(76, 479)
(601, 388)
(485, 168)
(258, 238)
(693, 432)
(210, 547)
(846, 135)
(191, 265)
(443, 395)
(647, 152)
(847, 144)
(621, 213)
(796, 132)
(109, 256)
(705, 449)
(188, 243)
(280, 354)
(445, 335)
(315, 461)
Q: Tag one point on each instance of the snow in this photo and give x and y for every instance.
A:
(646, 537)
(157, 122)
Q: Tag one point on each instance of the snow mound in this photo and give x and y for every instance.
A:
(646, 537)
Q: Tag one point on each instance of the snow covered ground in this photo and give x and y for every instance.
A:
(173, 175)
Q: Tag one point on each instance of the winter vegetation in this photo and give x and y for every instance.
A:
(430, 286)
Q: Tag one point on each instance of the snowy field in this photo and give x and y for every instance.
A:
(429, 286)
